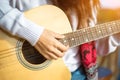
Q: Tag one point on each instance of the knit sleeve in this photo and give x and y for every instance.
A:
(13, 21)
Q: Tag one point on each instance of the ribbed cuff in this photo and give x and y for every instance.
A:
(15, 23)
(31, 32)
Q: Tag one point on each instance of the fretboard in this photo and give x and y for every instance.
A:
(91, 33)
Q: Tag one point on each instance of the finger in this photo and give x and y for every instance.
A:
(47, 57)
(55, 52)
(58, 36)
(60, 46)
(53, 56)
(44, 54)
(48, 54)
(58, 53)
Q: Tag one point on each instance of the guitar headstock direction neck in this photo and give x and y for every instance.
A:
(88, 34)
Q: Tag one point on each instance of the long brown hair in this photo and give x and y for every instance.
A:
(84, 10)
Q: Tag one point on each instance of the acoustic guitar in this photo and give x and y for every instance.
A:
(20, 61)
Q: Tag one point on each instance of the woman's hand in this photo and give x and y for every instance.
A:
(49, 46)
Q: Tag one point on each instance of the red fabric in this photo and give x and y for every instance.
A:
(88, 58)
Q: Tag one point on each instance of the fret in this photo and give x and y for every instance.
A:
(104, 31)
(96, 35)
(91, 33)
(81, 37)
(74, 39)
(70, 39)
(101, 32)
(108, 28)
(77, 37)
(85, 36)
(67, 36)
(98, 32)
(114, 27)
(88, 34)
(118, 26)
(64, 41)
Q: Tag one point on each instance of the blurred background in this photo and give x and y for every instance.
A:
(109, 66)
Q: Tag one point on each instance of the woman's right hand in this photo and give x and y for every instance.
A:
(49, 46)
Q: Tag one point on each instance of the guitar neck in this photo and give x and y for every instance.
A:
(91, 33)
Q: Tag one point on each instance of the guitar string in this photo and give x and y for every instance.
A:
(29, 56)
(88, 28)
(10, 50)
(76, 31)
(14, 61)
(12, 54)
(4, 52)
(14, 50)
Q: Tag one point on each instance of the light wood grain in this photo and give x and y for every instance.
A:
(51, 18)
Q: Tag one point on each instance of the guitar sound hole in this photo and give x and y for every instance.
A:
(31, 54)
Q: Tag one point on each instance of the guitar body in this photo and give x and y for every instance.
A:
(14, 65)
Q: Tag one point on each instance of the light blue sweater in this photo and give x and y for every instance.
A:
(13, 20)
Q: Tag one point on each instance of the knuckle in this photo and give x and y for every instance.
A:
(46, 57)
(55, 58)
(60, 54)
(50, 48)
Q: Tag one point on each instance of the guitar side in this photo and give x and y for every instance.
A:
(51, 18)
